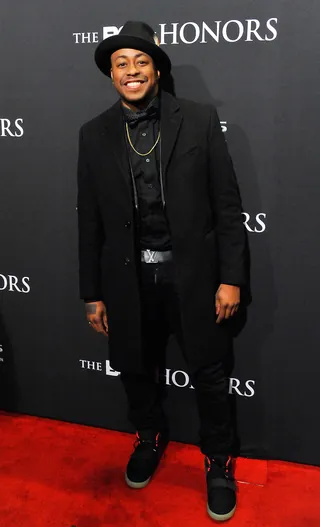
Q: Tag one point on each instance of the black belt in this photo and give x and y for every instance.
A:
(149, 256)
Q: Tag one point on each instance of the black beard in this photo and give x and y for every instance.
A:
(144, 101)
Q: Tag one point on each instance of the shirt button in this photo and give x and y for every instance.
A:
(144, 134)
(127, 224)
(126, 260)
(150, 185)
(147, 160)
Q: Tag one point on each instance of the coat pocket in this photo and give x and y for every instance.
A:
(188, 153)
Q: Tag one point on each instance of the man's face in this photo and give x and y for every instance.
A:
(134, 75)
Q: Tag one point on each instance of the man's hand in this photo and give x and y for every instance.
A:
(227, 301)
(97, 316)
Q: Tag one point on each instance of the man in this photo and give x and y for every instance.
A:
(161, 251)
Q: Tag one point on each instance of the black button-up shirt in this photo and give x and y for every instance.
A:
(153, 225)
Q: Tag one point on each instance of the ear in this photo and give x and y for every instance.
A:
(111, 74)
(158, 74)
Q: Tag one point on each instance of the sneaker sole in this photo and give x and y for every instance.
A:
(221, 517)
(135, 484)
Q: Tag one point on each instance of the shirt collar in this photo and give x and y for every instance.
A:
(150, 112)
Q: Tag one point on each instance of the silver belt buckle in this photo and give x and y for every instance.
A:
(149, 256)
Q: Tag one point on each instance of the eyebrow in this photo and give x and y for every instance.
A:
(126, 56)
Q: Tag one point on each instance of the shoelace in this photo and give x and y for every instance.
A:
(226, 467)
(142, 446)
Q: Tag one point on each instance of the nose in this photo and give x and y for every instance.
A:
(132, 69)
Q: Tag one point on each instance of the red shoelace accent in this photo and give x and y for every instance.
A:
(139, 440)
(210, 461)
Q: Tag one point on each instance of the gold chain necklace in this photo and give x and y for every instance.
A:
(133, 148)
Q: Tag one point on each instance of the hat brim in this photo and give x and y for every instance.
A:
(108, 46)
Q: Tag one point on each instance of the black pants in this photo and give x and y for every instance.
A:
(160, 318)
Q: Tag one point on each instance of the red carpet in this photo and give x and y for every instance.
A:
(64, 475)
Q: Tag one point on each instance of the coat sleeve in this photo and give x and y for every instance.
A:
(226, 206)
(90, 230)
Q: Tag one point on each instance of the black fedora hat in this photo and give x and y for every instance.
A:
(133, 35)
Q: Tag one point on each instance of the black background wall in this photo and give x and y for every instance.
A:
(259, 63)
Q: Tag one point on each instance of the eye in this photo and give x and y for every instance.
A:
(121, 64)
(142, 62)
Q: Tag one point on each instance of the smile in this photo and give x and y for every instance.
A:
(133, 84)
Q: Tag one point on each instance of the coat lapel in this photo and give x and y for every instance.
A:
(113, 132)
(114, 139)
(170, 125)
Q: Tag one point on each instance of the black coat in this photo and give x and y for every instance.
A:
(204, 211)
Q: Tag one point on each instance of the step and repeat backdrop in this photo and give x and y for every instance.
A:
(258, 62)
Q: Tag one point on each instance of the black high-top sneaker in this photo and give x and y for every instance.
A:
(148, 450)
(221, 487)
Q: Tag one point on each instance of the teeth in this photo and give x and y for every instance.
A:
(134, 84)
